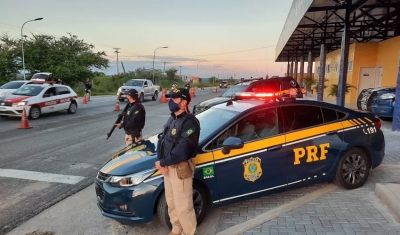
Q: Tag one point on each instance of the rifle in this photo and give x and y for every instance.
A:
(119, 118)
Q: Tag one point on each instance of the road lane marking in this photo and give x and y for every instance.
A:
(40, 176)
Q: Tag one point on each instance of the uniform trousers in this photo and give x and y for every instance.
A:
(179, 197)
(128, 139)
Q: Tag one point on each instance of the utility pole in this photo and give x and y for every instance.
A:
(180, 74)
(117, 52)
(164, 67)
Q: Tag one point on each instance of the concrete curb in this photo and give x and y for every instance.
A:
(278, 211)
(387, 192)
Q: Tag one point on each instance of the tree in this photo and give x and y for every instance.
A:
(8, 59)
(68, 58)
(334, 89)
(325, 86)
(171, 74)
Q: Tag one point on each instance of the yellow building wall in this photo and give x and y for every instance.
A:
(388, 57)
(385, 54)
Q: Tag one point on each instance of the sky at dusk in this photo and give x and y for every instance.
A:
(224, 38)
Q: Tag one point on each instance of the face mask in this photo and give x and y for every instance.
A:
(173, 107)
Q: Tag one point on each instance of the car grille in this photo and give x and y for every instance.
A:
(100, 192)
(101, 176)
(5, 104)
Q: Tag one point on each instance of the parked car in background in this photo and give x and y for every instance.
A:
(10, 87)
(42, 77)
(144, 87)
(223, 84)
(279, 85)
(379, 101)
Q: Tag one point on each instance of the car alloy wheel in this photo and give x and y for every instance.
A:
(34, 113)
(72, 107)
(353, 169)
(199, 205)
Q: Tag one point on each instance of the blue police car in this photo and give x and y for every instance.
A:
(248, 148)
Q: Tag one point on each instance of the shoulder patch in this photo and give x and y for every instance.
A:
(189, 132)
(136, 111)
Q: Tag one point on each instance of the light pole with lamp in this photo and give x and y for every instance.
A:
(154, 56)
(22, 44)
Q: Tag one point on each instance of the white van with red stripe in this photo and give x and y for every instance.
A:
(38, 99)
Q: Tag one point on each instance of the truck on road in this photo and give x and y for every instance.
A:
(145, 88)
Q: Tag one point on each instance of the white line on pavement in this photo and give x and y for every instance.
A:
(40, 176)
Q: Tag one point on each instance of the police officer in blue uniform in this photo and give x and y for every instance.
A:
(134, 118)
(177, 146)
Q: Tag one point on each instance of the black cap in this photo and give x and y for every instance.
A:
(179, 93)
(134, 94)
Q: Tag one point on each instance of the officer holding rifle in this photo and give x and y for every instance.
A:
(133, 120)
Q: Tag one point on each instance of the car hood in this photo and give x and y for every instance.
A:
(141, 156)
(5, 92)
(14, 98)
(213, 101)
(131, 87)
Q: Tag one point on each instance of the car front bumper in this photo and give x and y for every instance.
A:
(13, 111)
(132, 205)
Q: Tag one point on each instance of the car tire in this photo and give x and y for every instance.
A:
(73, 107)
(155, 96)
(353, 169)
(34, 113)
(199, 194)
(141, 97)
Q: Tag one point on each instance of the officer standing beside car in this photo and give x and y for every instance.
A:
(134, 118)
(177, 146)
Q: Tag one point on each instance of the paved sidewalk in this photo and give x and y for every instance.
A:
(341, 212)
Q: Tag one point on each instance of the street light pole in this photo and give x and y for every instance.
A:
(154, 56)
(22, 44)
(198, 67)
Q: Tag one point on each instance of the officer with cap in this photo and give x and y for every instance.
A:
(177, 146)
(134, 118)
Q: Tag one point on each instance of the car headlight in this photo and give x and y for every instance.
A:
(387, 96)
(119, 90)
(130, 180)
(23, 103)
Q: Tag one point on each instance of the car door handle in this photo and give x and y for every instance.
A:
(332, 133)
(274, 147)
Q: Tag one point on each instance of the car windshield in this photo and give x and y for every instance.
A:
(237, 88)
(29, 90)
(210, 120)
(12, 85)
(134, 83)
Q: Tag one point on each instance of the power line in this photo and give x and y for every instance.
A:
(117, 52)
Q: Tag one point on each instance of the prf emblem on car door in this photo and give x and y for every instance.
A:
(312, 153)
(252, 169)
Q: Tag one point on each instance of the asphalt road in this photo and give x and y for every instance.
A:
(61, 154)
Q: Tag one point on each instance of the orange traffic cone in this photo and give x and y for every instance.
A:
(192, 93)
(84, 101)
(163, 98)
(24, 121)
(117, 108)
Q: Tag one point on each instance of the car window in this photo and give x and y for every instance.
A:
(257, 87)
(301, 116)
(287, 84)
(258, 125)
(329, 115)
(150, 83)
(272, 86)
(145, 83)
(134, 83)
(63, 90)
(12, 85)
(29, 90)
(51, 91)
(237, 88)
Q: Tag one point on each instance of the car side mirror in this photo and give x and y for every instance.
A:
(145, 85)
(232, 143)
